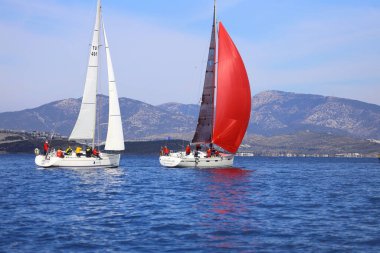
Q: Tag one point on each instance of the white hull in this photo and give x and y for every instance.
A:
(181, 160)
(72, 161)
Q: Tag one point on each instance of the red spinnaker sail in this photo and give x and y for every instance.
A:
(233, 102)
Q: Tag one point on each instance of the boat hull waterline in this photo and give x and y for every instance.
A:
(72, 161)
(181, 160)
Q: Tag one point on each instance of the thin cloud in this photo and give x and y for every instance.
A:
(336, 49)
(156, 60)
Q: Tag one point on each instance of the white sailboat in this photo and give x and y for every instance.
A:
(224, 114)
(84, 129)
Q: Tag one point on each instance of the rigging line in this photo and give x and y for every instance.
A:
(99, 84)
(202, 75)
(216, 72)
(51, 134)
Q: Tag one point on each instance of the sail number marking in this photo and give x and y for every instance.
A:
(94, 51)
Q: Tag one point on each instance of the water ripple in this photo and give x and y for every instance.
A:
(262, 205)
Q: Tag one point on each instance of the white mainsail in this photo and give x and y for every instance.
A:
(115, 137)
(84, 129)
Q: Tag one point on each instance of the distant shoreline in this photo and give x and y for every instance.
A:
(2, 153)
(13, 142)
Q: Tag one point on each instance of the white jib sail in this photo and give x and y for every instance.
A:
(84, 129)
(115, 137)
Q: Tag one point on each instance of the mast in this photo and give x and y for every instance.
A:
(215, 69)
(203, 132)
(99, 14)
(84, 129)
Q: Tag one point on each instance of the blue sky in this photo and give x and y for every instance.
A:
(159, 47)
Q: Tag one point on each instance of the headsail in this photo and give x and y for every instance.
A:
(233, 103)
(115, 137)
(84, 129)
(203, 133)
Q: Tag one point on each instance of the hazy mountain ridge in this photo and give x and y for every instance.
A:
(273, 113)
(140, 120)
(191, 110)
(277, 112)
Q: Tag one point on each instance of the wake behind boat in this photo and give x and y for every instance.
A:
(84, 129)
(222, 122)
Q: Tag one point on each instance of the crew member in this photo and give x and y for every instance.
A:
(46, 147)
(78, 151)
(166, 151)
(88, 151)
(69, 151)
(95, 153)
(209, 152)
(60, 153)
(188, 149)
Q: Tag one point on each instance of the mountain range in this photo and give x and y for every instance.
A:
(274, 113)
(281, 123)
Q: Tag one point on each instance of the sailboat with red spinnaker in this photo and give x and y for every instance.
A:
(225, 107)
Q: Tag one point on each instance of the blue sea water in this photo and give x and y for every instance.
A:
(262, 205)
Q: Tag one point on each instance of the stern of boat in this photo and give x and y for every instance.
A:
(45, 161)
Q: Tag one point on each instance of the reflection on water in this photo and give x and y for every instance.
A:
(91, 176)
(99, 192)
(226, 189)
(227, 201)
